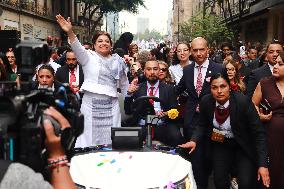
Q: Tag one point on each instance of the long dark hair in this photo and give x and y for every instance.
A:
(6, 63)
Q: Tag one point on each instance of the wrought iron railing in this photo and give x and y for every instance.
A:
(28, 6)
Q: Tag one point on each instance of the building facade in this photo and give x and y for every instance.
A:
(183, 10)
(112, 25)
(142, 25)
(35, 19)
(257, 20)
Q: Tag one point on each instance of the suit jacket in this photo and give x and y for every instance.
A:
(166, 94)
(187, 83)
(246, 126)
(62, 75)
(255, 76)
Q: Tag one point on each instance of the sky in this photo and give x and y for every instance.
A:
(156, 11)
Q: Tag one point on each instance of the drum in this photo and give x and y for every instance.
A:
(109, 169)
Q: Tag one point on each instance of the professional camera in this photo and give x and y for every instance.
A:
(21, 132)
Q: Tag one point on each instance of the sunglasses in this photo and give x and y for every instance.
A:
(164, 69)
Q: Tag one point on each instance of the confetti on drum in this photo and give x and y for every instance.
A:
(170, 185)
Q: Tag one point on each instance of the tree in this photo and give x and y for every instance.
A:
(147, 35)
(209, 26)
(105, 6)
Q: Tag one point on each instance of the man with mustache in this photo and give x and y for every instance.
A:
(166, 130)
(71, 72)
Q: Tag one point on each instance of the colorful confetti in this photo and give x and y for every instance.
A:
(118, 170)
(170, 185)
(112, 161)
(100, 164)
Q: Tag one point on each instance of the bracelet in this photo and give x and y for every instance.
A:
(56, 163)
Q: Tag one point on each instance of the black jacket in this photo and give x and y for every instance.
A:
(187, 83)
(246, 126)
(166, 94)
(62, 75)
(255, 76)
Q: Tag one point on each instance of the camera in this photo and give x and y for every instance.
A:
(21, 132)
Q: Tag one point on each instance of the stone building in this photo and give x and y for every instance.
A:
(35, 19)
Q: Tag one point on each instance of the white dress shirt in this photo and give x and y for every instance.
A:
(203, 71)
(224, 128)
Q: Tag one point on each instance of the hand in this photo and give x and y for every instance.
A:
(76, 89)
(264, 174)
(190, 144)
(51, 111)
(133, 86)
(264, 117)
(161, 114)
(64, 24)
(53, 142)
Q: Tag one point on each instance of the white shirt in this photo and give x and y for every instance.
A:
(157, 105)
(203, 71)
(102, 75)
(224, 128)
(270, 67)
(176, 72)
(76, 71)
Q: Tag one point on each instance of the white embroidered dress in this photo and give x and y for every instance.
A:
(100, 106)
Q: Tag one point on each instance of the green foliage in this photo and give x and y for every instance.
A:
(210, 26)
(147, 35)
(106, 6)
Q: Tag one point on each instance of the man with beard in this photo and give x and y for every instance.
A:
(166, 130)
(71, 72)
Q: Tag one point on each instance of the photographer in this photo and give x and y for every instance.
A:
(20, 176)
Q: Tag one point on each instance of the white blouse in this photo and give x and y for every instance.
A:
(102, 75)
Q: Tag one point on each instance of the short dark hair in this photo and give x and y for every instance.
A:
(226, 44)
(223, 75)
(274, 42)
(98, 34)
(47, 67)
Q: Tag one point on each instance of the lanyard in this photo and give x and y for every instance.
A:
(154, 92)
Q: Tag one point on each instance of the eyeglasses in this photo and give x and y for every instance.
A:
(68, 59)
(164, 69)
(182, 50)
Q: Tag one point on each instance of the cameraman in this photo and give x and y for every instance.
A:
(20, 176)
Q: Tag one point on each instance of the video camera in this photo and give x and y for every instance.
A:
(21, 132)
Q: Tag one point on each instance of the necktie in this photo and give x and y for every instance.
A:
(199, 81)
(72, 80)
(151, 93)
(221, 114)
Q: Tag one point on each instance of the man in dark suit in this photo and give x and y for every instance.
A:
(195, 80)
(166, 130)
(71, 72)
(273, 50)
(231, 122)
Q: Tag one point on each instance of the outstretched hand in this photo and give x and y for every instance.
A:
(190, 144)
(64, 24)
(263, 173)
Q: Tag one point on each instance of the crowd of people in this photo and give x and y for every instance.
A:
(231, 104)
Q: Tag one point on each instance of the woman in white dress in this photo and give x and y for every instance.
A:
(103, 74)
(176, 69)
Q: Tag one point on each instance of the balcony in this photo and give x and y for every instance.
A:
(28, 7)
(235, 10)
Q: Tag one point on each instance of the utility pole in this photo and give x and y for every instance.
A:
(178, 20)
